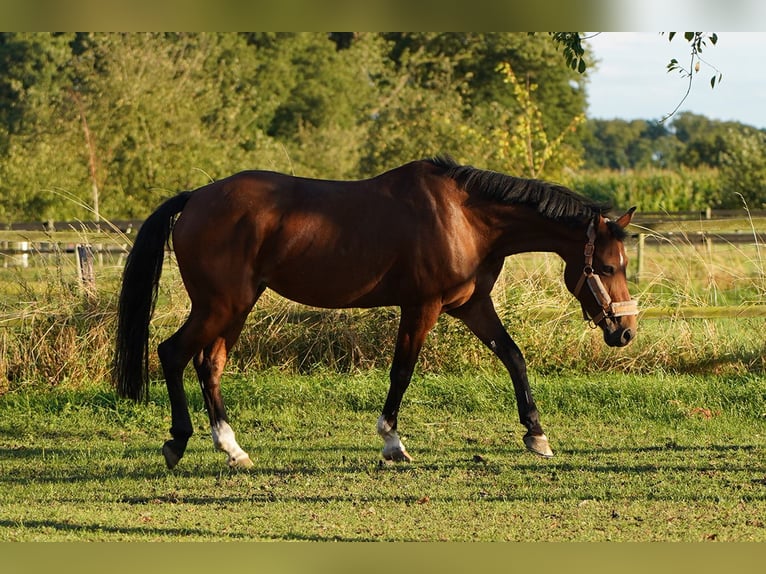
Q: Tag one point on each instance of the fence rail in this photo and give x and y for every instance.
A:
(651, 217)
(657, 229)
(126, 226)
(701, 237)
(50, 247)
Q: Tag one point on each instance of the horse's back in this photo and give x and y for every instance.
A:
(320, 242)
(394, 204)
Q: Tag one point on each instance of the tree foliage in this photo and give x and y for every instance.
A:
(733, 153)
(116, 122)
(129, 118)
(524, 145)
(743, 167)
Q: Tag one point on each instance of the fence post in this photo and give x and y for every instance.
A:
(709, 246)
(640, 257)
(19, 253)
(85, 269)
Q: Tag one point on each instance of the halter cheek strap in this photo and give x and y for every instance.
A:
(609, 308)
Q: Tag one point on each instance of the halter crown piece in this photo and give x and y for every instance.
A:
(609, 308)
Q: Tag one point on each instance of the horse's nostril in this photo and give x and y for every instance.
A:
(627, 335)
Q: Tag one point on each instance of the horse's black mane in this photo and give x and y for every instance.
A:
(551, 200)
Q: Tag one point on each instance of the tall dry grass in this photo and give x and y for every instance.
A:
(52, 333)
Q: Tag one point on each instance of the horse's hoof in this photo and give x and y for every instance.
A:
(538, 444)
(397, 455)
(171, 457)
(240, 462)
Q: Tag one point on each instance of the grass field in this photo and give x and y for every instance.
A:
(637, 458)
(663, 440)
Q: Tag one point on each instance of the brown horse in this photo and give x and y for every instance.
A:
(429, 237)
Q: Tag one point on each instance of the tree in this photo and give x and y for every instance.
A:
(421, 108)
(525, 148)
(146, 97)
(703, 140)
(33, 71)
(621, 145)
(163, 112)
(327, 100)
(31, 67)
(114, 123)
(443, 93)
(743, 168)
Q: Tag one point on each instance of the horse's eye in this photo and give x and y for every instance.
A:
(608, 270)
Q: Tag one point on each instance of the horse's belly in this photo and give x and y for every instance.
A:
(332, 292)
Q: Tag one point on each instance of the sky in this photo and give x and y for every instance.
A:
(631, 80)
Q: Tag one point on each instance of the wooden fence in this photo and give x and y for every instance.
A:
(20, 253)
(35, 238)
(702, 228)
(655, 228)
(126, 226)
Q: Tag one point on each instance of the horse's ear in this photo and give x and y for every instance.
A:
(625, 219)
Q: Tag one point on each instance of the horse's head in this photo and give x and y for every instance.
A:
(599, 281)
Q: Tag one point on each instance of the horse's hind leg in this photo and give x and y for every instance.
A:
(209, 365)
(196, 333)
(174, 359)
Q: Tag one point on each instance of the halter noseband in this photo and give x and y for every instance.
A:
(609, 308)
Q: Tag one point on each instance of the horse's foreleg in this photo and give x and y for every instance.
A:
(481, 318)
(413, 327)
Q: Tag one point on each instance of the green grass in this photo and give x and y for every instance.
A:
(662, 440)
(658, 457)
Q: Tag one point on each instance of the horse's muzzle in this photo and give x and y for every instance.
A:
(620, 337)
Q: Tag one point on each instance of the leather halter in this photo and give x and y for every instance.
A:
(609, 308)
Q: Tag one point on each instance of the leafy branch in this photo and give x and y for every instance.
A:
(697, 41)
(574, 56)
(525, 146)
(572, 49)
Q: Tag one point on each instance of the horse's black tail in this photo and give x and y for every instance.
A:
(140, 281)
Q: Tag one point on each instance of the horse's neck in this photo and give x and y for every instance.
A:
(524, 230)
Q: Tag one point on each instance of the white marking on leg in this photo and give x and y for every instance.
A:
(224, 439)
(393, 448)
